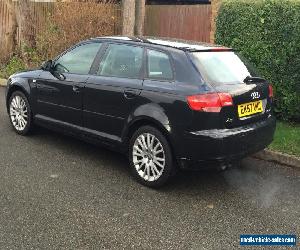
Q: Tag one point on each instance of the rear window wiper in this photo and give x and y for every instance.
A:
(250, 79)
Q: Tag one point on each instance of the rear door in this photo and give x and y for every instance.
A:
(60, 91)
(228, 72)
(113, 91)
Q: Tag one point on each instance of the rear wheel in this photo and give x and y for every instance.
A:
(150, 157)
(20, 113)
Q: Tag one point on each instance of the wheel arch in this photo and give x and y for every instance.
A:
(13, 88)
(146, 121)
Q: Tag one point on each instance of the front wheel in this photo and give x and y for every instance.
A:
(151, 157)
(20, 113)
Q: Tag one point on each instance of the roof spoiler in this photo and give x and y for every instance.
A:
(213, 49)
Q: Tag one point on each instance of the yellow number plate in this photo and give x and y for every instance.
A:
(250, 108)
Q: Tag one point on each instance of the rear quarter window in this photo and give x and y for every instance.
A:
(159, 65)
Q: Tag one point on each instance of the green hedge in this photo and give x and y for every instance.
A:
(267, 32)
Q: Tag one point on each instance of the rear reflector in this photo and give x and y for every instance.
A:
(271, 94)
(212, 102)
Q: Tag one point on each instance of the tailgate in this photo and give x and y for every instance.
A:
(251, 103)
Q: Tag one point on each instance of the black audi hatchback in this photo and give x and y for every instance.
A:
(166, 103)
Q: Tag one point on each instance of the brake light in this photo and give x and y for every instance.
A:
(212, 102)
(220, 49)
(271, 93)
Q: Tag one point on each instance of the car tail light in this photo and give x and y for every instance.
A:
(271, 93)
(212, 102)
(220, 49)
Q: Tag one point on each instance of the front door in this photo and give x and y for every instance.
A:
(60, 91)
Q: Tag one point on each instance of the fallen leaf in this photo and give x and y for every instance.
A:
(211, 206)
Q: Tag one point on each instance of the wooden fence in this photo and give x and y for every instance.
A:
(39, 10)
(191, 22)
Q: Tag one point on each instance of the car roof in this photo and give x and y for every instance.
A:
(185, 45)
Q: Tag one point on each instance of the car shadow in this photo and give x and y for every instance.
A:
(203, 179)
(79, 147)
(246, 180)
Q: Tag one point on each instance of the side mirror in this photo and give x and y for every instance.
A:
(58, 75)
(47, 66)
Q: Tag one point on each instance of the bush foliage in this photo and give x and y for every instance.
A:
(267, 33)
(14, 65)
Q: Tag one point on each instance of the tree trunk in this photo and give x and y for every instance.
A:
(140, 10)
(128, 17)
(25, 22)
(10, 36)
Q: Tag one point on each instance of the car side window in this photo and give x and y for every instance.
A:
(122, 61)
(78, 60)
(159, 65)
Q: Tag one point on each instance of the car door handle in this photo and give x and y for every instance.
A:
(76, 88)
(130, 94)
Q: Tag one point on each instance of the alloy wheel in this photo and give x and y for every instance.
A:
(18, 113)
(148, 157)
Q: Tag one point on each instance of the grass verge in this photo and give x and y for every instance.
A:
(287, 138)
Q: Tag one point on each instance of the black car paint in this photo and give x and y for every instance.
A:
(107, 109)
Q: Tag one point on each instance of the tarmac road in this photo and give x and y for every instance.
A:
(60, 193)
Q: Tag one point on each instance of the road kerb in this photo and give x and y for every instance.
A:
(3, 82)
(269, 155)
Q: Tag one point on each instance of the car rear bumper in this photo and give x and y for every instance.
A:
(223, 146)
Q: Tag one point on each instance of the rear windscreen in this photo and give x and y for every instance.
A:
(224, 67)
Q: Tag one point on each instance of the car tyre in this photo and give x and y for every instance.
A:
(150, 157)
(20, 113)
